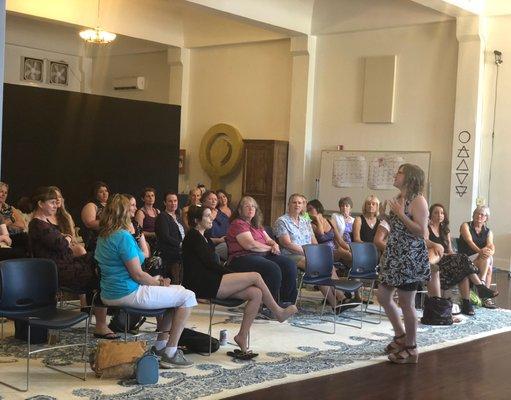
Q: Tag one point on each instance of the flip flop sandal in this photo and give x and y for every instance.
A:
(107, 336)
(242, 355)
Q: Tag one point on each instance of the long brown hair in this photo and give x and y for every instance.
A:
(414, 180)
(115, 215)
(443, 230)
(64, 220)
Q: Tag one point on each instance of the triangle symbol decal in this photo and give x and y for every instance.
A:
(462, 166)
(461, 190)
(462, 177)
(463, 152)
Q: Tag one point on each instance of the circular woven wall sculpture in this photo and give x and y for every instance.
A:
(220, 152)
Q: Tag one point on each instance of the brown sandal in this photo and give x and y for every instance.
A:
(409, 358)
(395, 346)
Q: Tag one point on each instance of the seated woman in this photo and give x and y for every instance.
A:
(343, 221)
(146, 215)
(13, 220)
(194, 197)
(91, 213)
(135, 229)
(455, 269)
(123, 283)
(216, 235)
(223, 202)
(325, 233)
(364, 226)
(208, 279)
(64, 221)
(252, 250)
(476, 241)
(170, 233)
(47, 241)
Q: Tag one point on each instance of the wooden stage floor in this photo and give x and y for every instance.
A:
(476, 370)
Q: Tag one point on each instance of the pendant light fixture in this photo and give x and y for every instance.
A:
(97, 35)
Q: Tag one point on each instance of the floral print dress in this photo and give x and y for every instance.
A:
(405, 259)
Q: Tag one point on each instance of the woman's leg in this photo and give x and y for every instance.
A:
(464, 287)
(173, 322)
(235, 285)
(434, 283)
(288, 290)
(253, 296)
(269, 271)
(386, 299)
(483, 264)
(407, 304)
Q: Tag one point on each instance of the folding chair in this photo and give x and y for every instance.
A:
(28, 293)
(363, 268)
(229, 303)
(318, 271)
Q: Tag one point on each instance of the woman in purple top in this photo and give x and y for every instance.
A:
(146, 216)
(251, 249)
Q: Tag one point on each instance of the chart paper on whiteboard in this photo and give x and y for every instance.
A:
(349, 172)
(382, 171)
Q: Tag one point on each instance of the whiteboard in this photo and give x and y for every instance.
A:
(358, 174)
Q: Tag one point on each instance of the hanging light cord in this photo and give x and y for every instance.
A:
(497, 63)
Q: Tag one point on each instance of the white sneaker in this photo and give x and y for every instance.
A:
(178, 361)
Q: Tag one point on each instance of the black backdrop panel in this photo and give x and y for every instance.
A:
(69, 139)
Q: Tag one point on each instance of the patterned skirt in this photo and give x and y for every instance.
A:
(454, 268)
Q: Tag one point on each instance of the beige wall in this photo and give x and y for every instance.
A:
(499, 190)
(246, 86)
(424, 103)
(153, 66)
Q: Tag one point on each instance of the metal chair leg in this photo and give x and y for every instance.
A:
(211, 312)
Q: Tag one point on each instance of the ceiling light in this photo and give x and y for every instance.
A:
(97, 35)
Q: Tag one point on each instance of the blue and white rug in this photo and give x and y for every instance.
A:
(286, 354)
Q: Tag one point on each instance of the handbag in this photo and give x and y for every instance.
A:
(114, 359)
(146, 370)
(197, 342)
(437, 311)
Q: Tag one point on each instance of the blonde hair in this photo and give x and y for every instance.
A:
(304, 210)
(481, 210)
(115, 215)
(369, 199)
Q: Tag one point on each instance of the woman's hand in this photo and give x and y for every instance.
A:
(275, 248)
(397, 206)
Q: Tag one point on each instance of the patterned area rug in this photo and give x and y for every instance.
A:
(286, 354)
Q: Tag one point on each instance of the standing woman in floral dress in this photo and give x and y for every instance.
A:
(404, 264)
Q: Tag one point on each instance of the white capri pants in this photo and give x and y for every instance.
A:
(152, 297)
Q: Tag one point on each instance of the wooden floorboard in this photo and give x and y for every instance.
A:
(480, 369)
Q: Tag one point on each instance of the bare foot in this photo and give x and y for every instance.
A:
(286, 313)
(241, 342)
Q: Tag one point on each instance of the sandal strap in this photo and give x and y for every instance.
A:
(398, 355)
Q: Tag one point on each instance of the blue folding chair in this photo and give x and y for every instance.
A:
(28, 292)
(364, 268)
(318, 271)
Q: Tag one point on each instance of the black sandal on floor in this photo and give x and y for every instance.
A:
(242, 355)
(467, 308)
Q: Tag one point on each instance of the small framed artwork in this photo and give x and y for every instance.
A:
(182, 155)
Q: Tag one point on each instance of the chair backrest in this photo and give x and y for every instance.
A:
(270, 232)
(365, 258)
(27, 284)
(319, 260)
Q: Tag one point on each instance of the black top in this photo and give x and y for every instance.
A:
(479, 240)
(91, 235)
(201, 272)
(366, 232)
(437, 239)
(168, 236)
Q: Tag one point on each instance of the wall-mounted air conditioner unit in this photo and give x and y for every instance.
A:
(130, 83)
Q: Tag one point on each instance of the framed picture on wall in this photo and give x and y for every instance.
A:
(182, 154)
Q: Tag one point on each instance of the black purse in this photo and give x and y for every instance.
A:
(437, 311)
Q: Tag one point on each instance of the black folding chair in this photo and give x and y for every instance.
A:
(29, 289)
(229, 303)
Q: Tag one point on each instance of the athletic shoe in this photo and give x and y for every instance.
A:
(157, 353)
(178, 361)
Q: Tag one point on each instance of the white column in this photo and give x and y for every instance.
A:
(179, 90)
(300, 177)
(466, 143)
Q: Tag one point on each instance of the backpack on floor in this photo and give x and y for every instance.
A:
(197, 342)
(118, 322)
(437, 311)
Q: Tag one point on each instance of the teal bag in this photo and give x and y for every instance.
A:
(146, 369)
